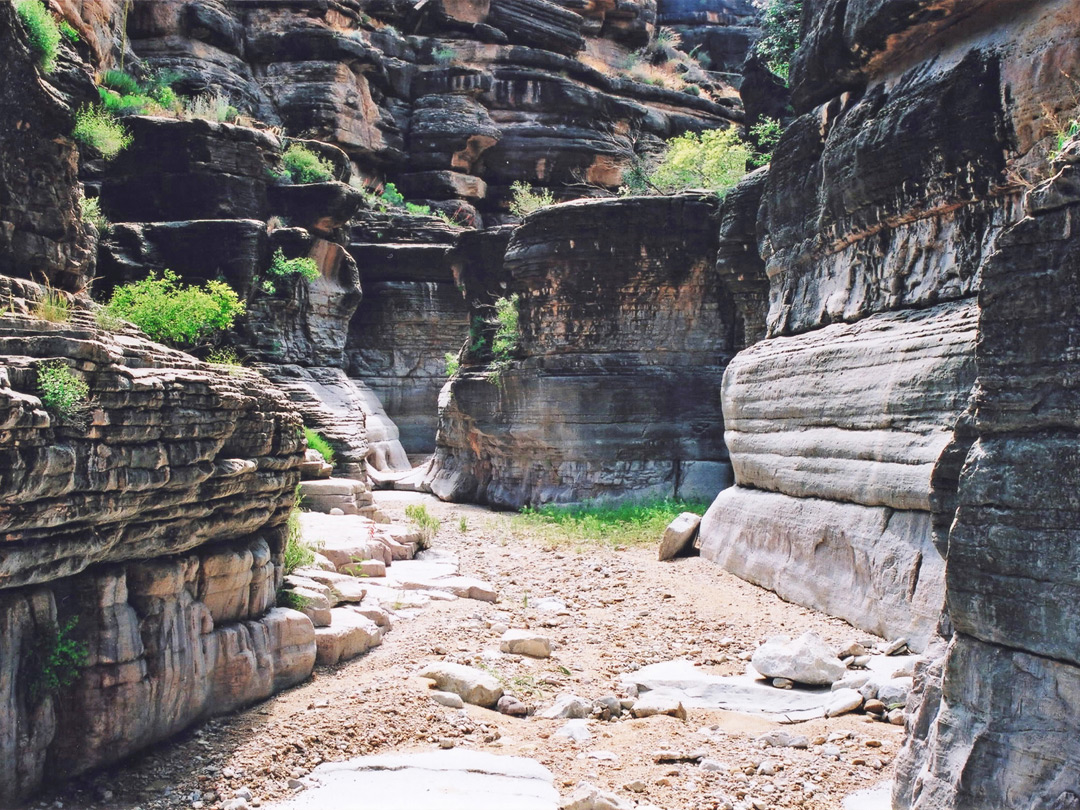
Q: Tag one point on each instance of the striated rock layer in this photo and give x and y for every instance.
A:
(624, 335)
(998, 725)
(155, 520)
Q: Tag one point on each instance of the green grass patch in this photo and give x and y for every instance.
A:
(320, 445)
(61, 390)
(525, 199)
(628, 523)
(425, 521)
(42, 30)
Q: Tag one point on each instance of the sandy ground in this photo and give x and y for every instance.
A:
(624, 610)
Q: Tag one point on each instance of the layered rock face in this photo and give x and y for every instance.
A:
(997, 725)
(624, 335)
(411, 316)
(846, 425)
(155, 521)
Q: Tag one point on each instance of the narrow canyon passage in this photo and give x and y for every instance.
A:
(623, 611)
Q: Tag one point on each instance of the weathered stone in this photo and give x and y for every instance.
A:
(653, 703)
(842, 702)
(348, 636)
(569, 707)
(525, 642)
(806, 660)
(473, 685)
(678, 535)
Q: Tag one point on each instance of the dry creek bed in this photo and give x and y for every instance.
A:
(624, 610)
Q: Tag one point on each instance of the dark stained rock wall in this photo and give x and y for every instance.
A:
(963, 98)
(624, 335)
(998, 727)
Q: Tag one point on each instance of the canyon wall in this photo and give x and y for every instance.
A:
(848, 423)
(614, 385)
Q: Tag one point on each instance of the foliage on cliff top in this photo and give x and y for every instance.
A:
(175, 313)
(714, 160)
(780, 24)
(42, 30)
(526, 199)
(632, 522)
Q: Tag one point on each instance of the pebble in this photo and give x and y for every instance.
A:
(896, 717)
(783, 683)
(842, 702)
(446, 743)
(768, 767)
(447, 699)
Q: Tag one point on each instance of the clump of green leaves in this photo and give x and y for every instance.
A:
(304, 166)
(453, 364)
(61, 390)
(320, 445)
(766, 134)
(291, 599)
(304, 266)
(780, 23)
(632, 522)
(426, 522)
(67, 30)
(444, 56)
(507, 328)
(174, 313)
(1063, 136)
(525, 200)
(42, 30)
(54, 660)
(90, 212)
(392, 197)
(99, 129)
(122, 94)
(714, 160)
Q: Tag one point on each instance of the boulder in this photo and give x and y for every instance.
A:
(525, 642)
(349, 635)
(473, 685)
(806, 660)
(569, 707)
(678, 535)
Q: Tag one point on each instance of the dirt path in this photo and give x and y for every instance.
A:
(623, 610)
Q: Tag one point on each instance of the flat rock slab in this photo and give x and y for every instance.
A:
(878, 797)
(436, 780)
(747, 693)
(434, 575)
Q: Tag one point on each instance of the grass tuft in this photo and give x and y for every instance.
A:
(43, 31)
(320, 445)
(425, 521)
(99, 129)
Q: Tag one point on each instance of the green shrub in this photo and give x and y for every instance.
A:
(281, 267)
(211, 107)
(54, 660)
(525, 200)
(714, 160)
(507, 329)
(174, 313)
(780, 23)
(100, 130)
(418, 210)
(42, 30)
(68, 31)
(304, 166)
(427, 523)
(90, 212)
(766, 134)
(320, 445)
(391, 196)
(627, 523)
(60, 390)
(453, 365)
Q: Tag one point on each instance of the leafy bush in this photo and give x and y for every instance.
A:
(418, 210)
(121, 83)
(174, 313)
(779, 40)
(303, 266)
(54, 660)
(627, 523)
(42, 30)
(122, 94)
(507, 329)
(60, 390)
(100, 130)
(304, 166)
(320, 445)
(714, 160)
(90, 212)
(68, 31)
(766, 134)
(391, 196)
(453, 365)
(425, 521)
(526, 200)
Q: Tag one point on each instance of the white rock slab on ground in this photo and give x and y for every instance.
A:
(878, 797)
(436, 780)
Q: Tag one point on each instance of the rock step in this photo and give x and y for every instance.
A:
(350, 634)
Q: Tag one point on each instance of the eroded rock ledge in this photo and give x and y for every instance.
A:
(625, 333)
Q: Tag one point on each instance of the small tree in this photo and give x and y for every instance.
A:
(780, 24)
(714, 160)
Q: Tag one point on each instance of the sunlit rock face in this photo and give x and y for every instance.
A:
(625, 331)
